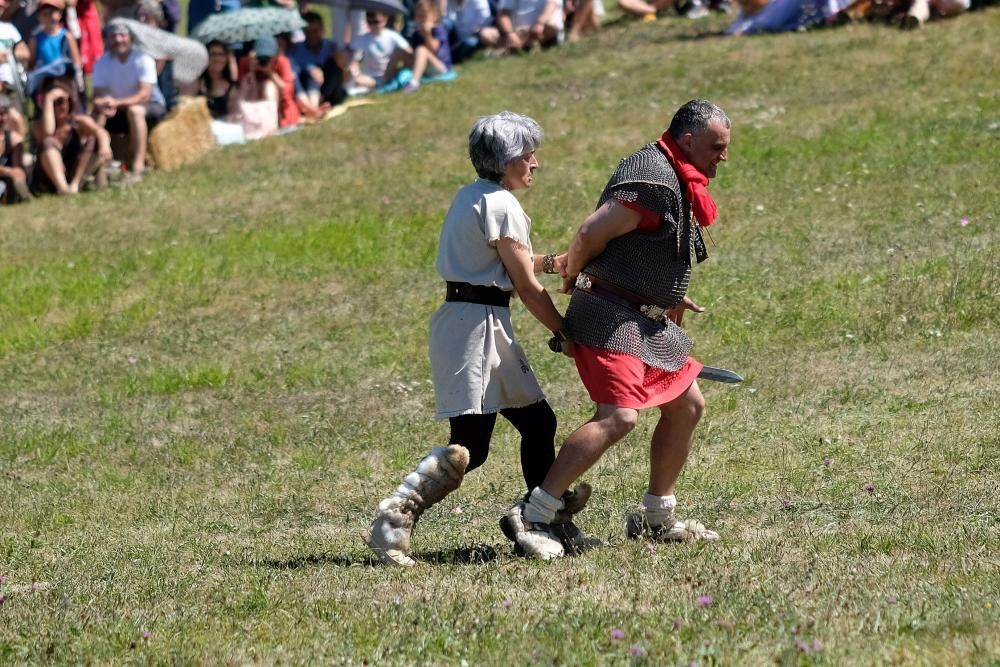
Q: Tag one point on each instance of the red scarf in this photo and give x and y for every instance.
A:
(705, 210)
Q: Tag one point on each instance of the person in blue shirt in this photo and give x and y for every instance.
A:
(318, 66)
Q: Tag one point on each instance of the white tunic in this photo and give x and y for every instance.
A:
(477, 366)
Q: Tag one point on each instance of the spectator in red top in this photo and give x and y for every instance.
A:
(288, 108)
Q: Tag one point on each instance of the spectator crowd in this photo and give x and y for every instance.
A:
(80, 89)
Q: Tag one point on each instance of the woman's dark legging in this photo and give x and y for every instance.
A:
(537, 425)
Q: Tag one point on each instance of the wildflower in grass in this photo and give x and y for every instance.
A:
(651, 547)
(891, 598)
(869, 488)
(617, 633)
(677, 625)
(3, 598)
(34, 587)
(817, 646)
(964, 222)
(457, 509)
(704, 600)
(2, 579)
(802, 646)
(827, 461)
(147, 635)
(506, 604)
(132, 359)
(786, 501)
(637, 651)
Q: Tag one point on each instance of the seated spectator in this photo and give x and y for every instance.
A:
(319, 69)
(374, 51)
(583, 17)
(529, 24)
(13, 180)
(289, 114)
(260, 90)
(430, 53)
(919, 11)
(218, 83)
(470, 27)
(757, 16)
(647, 9)
(52, 41)
(70, 145)
(126, 97)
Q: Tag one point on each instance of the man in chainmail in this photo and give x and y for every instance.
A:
(628, 268)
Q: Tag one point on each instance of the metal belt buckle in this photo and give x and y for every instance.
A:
(651, 311)
(583, 282)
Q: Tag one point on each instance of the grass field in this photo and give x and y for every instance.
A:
(210, 380)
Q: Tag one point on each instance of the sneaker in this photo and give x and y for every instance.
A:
(532, 540)
(636, 527)
(411, 87)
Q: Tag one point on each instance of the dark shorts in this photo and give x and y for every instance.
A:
(118, 124)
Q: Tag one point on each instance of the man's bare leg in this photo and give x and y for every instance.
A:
(587, 444)
(672, 440)
(668, 452)
(137, 136)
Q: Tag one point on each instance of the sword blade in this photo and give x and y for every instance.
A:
(719, 375)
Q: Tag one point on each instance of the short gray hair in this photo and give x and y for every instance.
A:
(694, 117)
(496, 141)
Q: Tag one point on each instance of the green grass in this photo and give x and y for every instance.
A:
(210, 380)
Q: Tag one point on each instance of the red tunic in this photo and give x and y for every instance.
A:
(91, 44)
(616, 378)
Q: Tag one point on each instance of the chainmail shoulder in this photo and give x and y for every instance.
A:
(655, 265)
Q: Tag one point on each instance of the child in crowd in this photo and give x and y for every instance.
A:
(375, 50)
(431, 51)
(52, 41)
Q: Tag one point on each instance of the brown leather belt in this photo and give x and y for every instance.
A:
(486, 295)
(605, 290)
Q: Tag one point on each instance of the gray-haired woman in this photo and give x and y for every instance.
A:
(478, 367)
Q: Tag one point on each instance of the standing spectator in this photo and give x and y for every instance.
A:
(12, 175)
(470, 27)
(529, 24)
(70, 145)
(52, 41)
(88, 22)
(199, 10)
(375, 50)
(13, 50)
(319, 69)
(126, 97)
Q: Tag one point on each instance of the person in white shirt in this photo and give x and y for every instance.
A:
(470, 27)
(126, 97)
(528, 24)
(12, 50)
(374, 50)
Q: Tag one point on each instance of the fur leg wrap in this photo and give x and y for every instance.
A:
(437, 475)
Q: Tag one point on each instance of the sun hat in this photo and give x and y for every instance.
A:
(266, 47)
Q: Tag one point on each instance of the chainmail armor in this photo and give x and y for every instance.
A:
(655, 265)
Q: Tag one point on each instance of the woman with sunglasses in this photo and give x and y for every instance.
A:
(70, 146)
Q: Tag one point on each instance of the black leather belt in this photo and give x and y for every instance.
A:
(486, 295)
